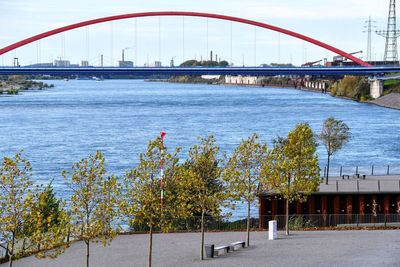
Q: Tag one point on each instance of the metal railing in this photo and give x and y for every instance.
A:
(296, 222)
(299, 222)
(373, 170)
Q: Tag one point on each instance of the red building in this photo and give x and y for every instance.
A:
(344, 201)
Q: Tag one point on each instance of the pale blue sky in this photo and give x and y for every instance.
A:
(339, 23)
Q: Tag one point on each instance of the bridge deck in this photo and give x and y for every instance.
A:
(253, 71)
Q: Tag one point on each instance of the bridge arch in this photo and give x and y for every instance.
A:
(183, 13)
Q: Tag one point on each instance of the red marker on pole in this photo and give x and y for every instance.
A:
(162, 135)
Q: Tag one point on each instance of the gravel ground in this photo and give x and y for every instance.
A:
(391, 100)
(324, 248)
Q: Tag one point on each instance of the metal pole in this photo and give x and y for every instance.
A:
(162, 135)
(356, 169)
(372, 170)
(341, 171)
(388, 169)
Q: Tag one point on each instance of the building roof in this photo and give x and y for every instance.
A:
(355, 185)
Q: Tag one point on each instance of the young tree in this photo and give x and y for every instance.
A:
(291, 169)
(151, 197)
(334, 135)
(93, 201)
(242, 173)
(203, 175)
(47, 223)
(15, 181)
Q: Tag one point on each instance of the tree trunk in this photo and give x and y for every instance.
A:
(327, 169)
(11, 252)
(248, 223)
(287, 217)
(10, 260)
(202, 236)
(87, 252)
(150, 245)
(23, 246)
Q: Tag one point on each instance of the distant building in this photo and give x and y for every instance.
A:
(156, 64)
(125, 64)
(84, 63)
(210, 77)
(41, 65)
(317, 85)
(62, 63)
(249, 80)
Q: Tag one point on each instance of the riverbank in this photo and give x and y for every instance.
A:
(15, 85)
(391, 100)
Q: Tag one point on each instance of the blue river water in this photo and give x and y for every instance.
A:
(59, 126)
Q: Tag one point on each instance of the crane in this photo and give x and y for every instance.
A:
(341, 58)
(310, 64)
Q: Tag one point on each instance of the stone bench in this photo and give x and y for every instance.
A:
(233, 245)
(212, 250)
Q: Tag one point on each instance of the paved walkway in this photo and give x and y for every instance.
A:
(325, 248)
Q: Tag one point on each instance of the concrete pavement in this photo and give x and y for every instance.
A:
(319, 248)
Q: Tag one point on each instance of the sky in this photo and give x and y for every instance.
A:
(339, 23)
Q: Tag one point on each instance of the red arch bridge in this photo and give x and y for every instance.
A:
(363, 69)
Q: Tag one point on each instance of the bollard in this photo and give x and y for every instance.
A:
(272, 230)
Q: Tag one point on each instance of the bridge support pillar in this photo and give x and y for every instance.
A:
(376, 89)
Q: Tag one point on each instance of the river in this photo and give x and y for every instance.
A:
(59, 126)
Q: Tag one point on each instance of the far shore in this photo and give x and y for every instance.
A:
(391, 100)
